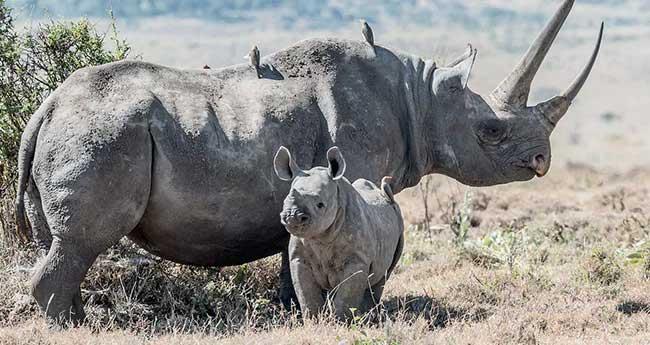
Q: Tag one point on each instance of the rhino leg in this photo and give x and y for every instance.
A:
(287, 293)
(309, 293)
(349, 295)
(78, 240)
(55, 284)
(373, 295)
(87, 212)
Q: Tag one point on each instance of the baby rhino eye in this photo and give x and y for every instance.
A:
(320, 205)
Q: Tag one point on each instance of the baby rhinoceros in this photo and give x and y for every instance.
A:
(345, 237)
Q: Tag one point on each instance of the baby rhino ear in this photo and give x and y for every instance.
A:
(387, 187)
(285, 167)
(335, 162)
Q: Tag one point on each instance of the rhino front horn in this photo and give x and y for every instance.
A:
(514, 90)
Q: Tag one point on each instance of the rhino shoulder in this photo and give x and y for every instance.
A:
(319, 56)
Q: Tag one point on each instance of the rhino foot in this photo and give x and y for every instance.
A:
(55, 285)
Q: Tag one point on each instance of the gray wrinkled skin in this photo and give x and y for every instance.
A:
(345, 238)
(180, 160)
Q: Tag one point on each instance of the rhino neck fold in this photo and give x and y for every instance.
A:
(417, 127)
(428, 148)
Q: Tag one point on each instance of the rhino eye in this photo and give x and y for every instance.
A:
(492, 131)
(320, 205)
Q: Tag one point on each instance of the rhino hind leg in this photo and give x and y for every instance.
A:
(86, 214)
(76, 244)
(56, 283)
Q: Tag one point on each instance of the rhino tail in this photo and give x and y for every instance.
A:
(25, 159)
(387, 187)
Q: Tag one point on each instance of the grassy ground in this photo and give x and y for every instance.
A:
(558, 260)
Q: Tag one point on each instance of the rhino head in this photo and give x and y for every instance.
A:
(500, 138)
(312, 204)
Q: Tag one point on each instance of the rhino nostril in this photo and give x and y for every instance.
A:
(540, 165)
(303, 218)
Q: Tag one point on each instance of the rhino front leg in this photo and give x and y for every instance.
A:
(287, 293)
(308, 292)
(372, 297)
(348, 296)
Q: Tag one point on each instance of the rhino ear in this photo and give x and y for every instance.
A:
(335, 162)
(285, 167)
(464, 69)
(466, 55)
(451, 80)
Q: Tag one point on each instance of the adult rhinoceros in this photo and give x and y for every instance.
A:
(180, 161)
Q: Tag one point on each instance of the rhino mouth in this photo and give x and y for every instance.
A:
(527, 171)
(298, 231)
(530, 171)
(295, 227)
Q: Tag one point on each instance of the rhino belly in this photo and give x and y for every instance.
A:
(212, 213)
(221, 234)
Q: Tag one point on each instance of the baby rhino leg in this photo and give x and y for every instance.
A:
(349, 295)
(373, 295)
(309, 293)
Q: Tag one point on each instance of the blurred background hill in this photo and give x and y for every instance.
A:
(471, 14)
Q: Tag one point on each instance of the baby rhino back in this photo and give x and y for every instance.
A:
(386, 224)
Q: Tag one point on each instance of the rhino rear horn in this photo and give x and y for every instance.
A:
(514, 90)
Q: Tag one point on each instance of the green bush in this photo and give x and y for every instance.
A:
(33, 63)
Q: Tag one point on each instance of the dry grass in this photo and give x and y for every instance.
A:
(560, 262)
